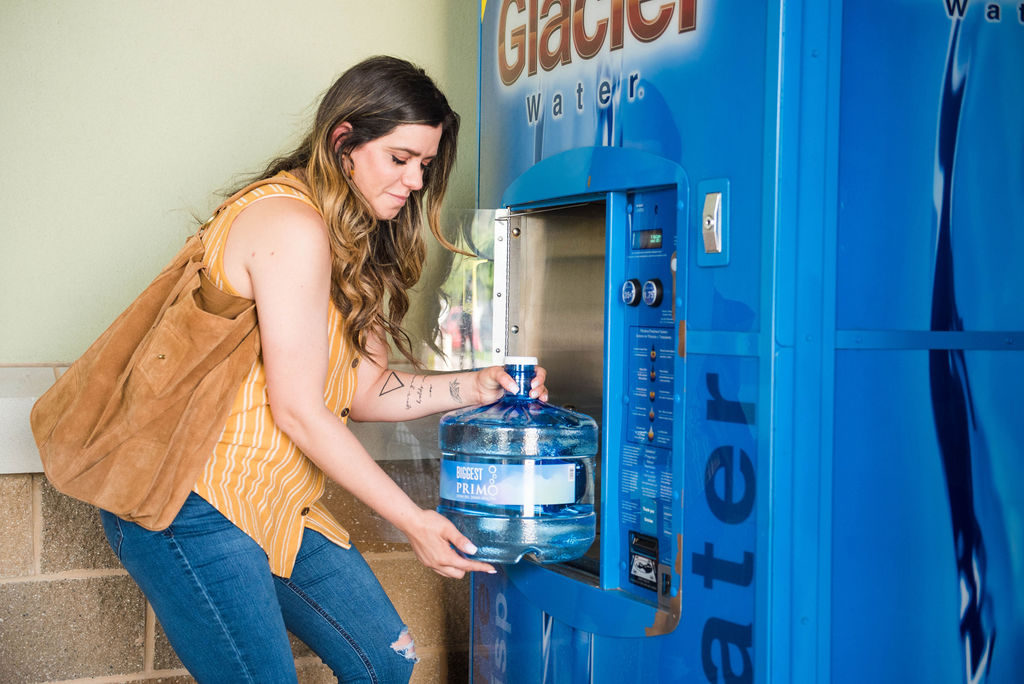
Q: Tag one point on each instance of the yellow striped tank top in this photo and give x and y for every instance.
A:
(257, 477)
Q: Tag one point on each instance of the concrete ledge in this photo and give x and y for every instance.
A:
(20, 386)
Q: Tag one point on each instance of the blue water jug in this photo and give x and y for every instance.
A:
(517, 476)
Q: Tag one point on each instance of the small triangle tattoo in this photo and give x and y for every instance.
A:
(393, 382)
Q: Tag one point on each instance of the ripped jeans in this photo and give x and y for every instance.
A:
(226, 615)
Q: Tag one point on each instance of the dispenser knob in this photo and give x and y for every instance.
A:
(653, 292)
(631, 292)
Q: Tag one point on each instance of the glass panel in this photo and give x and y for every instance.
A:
(464, 296)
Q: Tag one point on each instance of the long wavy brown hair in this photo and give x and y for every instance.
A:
(374, 261)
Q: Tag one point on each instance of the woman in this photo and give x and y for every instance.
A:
(253, 552)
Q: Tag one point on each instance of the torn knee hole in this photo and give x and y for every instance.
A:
(405, 646)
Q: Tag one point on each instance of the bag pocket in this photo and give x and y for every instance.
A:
(164, 359)
(177, 353)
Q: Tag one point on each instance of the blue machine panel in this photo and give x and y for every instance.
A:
(958, 83)
(720, 526)
(507, 633)
(646, 480)
(926, 517)
(829, 465)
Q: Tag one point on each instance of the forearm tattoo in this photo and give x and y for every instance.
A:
(453, 389)
(415, 392)
(417, 388)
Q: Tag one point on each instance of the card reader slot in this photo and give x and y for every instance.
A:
(643, 544)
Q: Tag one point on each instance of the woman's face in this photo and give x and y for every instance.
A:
(388, 168)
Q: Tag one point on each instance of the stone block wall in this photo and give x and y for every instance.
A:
(70, 613)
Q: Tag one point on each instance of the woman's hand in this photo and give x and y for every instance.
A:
(493, 381)
(432, 537)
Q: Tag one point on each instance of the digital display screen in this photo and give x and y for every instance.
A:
(647, 239)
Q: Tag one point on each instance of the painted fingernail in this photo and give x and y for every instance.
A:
(470, 548)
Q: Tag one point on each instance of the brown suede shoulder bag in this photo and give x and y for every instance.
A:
(131, 424)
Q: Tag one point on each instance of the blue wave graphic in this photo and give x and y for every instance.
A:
(952, 404)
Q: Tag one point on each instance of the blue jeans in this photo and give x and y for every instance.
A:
(226, 614)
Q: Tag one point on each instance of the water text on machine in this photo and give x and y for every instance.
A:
(730, 505)
(993, 11)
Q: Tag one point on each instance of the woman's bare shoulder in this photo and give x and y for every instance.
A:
(279, 213)
(275, 236)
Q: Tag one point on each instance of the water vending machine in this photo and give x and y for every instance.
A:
(775, 250)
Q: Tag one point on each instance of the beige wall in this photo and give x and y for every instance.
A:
(119, 121)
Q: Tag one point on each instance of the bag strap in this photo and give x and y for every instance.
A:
(288, 181)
